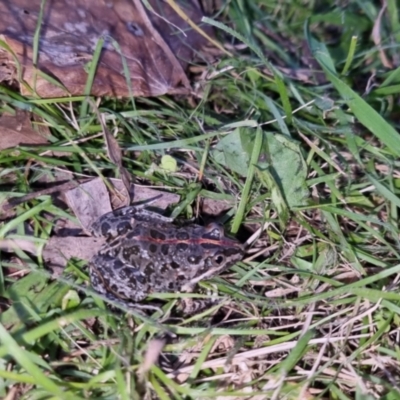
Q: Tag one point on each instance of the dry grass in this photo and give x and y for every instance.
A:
(313, 309)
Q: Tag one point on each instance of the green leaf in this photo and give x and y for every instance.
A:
(234, 150)
(284, 172)
(70, 300)
(169, 163)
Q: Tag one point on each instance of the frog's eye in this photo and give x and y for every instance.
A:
(194, 260)
(213, 231)
(219, 259)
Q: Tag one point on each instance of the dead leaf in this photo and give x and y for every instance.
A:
(59, 250)
(143, 193)
(18, 130)
(151, 356)
(215, 207)
(91, 200)
(9, 245)
(114, 152)
(376, 36)
(280, 292)
(156, 45)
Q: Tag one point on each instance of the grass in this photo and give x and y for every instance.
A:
(304, 147)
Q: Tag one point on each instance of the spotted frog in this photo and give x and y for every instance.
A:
(146, 253)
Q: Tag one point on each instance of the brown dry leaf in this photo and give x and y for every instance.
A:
(376, 36)
(9, 245)
(88, 201)
(91, 200)
(143, 193)
(17, 130)
(151, 356)
(7, 74)
(114, 152)
(279, 293)
(59, 250)
(156, 45)
(215, 207)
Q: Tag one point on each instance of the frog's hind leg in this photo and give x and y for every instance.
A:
(97, 283)
(112, 224)
(126, 305)
(190, 307)
(119, 221)
(144, 215)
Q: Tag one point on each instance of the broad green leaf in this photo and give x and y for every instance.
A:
(234, 150)
(277, 195)
(284, 171)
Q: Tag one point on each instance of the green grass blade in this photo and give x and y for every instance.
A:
(367, 116)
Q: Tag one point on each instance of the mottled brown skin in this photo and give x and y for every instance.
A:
(146, 253)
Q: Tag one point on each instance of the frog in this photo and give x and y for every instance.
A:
(146, 253)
